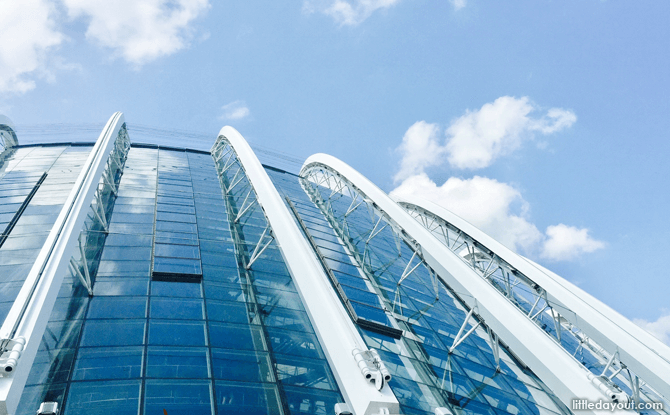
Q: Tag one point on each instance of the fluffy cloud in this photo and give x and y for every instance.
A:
(347, 12)
(567, 242)
(476, 139)
(501, 211)
(136, 30)
(420, 148)
(458, 4)
(236, 110)
(659, 328)
(139, 31)
(494, 207)
(28, 34)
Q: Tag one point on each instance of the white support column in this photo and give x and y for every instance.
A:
(28, 317)
(644, 354)
(563, 374)
(336, 332)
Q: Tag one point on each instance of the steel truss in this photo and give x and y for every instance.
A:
(374, 266)
(241, 200)
(248, 188)
(533, 302)
(65, 249)
(96, 227)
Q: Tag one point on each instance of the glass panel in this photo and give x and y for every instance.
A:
(108, 363)
(176, 333)
(173, 362)
(117, 307)
(175, 289)
(235, 336)
(112, 397)
(177, 308)
(113, 333)
(247, 399)
(242, 366)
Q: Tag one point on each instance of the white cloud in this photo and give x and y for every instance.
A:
(420, 148)
(347, 12)
(235, 110)
(567, 242)
(476, 139)
(494, 207)
(473, 141)
(659, 328)
(27, 36)
(458, 4)
(555, 120)
(139, 31)
(501, 211)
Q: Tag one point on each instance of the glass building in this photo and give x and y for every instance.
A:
(143, 279)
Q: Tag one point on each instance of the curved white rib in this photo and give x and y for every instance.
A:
(561, 372)
(334, 328)
(30, 311)
(644, 354)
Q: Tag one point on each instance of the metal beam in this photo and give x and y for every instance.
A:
(337, 334)
(29, 314)
(642, 353)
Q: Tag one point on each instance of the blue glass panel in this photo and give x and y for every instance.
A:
(113, 333)
(173, 362)
(117, 307)
(242, 366)
(236, 336)
(175, 227)
(175, 289)
(43, 370)
(229, 292)
(176, 251)
(178, 397)
(61, 335)
(294, 343)
(177, 308)
(176, 333)
(303, 372)
(370, 313)
(231, 312)
(247, 399)
(177, 265)
(119, 286)
(108, 363)
(286, 319)
(111, 397)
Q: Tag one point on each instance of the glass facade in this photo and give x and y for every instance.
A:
(34, 184)
(192, 309)
(176, 321)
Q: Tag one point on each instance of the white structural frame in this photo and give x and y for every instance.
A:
(26, 321)
(561, 372)
(335, 330)
(645, 355)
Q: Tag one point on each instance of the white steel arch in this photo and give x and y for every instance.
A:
(644, 354)
(562, 373)
(336, 333)
(24, 326)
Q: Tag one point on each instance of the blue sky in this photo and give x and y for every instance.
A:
(543, 122)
